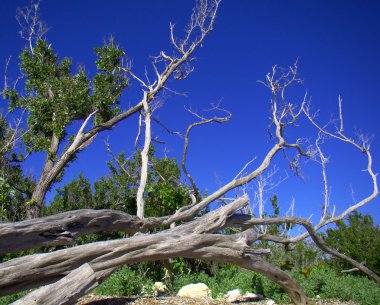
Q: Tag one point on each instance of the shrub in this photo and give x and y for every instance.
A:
(322, 281)
(359, 238)
(13, 297)
(124, 282)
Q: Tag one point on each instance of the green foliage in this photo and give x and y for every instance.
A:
(164, 193)
(358, 238)
(227, 277)
(124, 282)
(77, 194)
(108, 85)
(13, 297)
(163, 196)
(303, 258)
(54, 96)
(328, 283)
(49, 82)
(15, 188)
(323, 281)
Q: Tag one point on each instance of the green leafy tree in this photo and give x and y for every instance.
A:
(75, 195)
(15, 188)
(55, 96)
(358, 238)
(164, 191)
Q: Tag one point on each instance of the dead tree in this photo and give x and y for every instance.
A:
(79, 269)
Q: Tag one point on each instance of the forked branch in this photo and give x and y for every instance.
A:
(202, 121)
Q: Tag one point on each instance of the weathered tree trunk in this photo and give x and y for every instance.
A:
(34, 208)
(30, 271)
(66, 291)
(190, 240)
(63, 229)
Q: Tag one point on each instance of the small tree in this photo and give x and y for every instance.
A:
(76, 195)
(357, 237)
(50, 82)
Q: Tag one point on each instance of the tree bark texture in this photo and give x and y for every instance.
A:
(190, 240)
(66, 291)
(63, 229)
(42, 186)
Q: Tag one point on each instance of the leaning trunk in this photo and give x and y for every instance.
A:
(35, 205)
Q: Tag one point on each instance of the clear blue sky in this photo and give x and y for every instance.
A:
(338, 46)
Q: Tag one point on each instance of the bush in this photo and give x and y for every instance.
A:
(322, 281)
(124, 282)
(13, 297)
(328, 284)
(359, 238)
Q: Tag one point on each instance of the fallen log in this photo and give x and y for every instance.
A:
(63, 229)
(190, 240)
(66, 291)
(14, 274)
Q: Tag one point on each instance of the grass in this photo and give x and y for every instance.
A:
(323, 281)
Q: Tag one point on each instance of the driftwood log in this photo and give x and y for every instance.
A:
(63, 228)
(191, 240)
(65, 291)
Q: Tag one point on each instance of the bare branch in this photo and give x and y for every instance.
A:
(32, 27)
(247, 220)
(341, 129)
(177, 133)
(202, 121)
(144, 160)
(6, 73)
(205, 24)
(12, 134)
(240, 174)
(138, 131)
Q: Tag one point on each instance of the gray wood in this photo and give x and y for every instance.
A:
(190, 240)
(63, 229)
(66, 291)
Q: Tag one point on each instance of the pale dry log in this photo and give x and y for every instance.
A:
(66, 291)
(63, 229)
(28, 271)
(187, 240)
(14, 275)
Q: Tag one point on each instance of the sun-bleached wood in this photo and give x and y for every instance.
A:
(190, 240)
(66, 291)
(63, 229)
